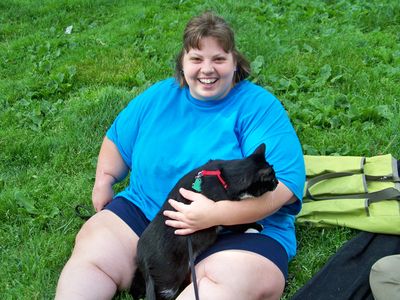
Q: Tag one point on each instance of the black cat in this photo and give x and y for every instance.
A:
(162, 256)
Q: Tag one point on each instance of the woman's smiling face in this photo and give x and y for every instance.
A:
(209, 70)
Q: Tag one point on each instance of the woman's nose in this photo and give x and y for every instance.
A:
(207, 67)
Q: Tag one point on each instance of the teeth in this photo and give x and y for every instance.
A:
(207, 81)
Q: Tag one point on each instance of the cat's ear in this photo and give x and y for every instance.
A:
(260, 149)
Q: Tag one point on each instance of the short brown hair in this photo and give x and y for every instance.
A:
(210, 25)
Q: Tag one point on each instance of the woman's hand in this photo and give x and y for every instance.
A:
(101, 195)
(188, 218)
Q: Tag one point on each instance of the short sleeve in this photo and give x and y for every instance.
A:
(270, 124)
(124, 129)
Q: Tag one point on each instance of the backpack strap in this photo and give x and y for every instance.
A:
(385, 194)
(313, 181)
(392, 193)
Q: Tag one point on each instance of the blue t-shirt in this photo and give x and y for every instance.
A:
(164, 133)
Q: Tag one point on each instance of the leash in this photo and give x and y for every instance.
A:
(196, 185)
(83, 211)
(192, 269)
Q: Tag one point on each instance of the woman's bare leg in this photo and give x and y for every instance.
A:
(236, 274)
(102, 261)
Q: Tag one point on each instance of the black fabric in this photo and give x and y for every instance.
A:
(346, 274)
(398, 167)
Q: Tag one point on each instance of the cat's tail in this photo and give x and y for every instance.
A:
(137, 289)
(150, 288)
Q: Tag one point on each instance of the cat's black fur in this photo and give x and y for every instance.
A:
(162, 256)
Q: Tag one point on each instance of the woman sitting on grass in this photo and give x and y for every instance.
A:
(207, 111)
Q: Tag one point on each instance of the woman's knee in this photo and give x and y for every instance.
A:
(267, 284)
(246, 274)
(271, 287)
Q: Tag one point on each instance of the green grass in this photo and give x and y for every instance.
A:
(333, 64)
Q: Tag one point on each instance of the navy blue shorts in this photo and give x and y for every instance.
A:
(253, 242)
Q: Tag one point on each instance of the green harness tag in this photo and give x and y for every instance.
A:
(196, 185)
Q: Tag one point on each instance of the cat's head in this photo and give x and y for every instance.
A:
(252, 175)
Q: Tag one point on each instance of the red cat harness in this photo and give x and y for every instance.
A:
(197, 182)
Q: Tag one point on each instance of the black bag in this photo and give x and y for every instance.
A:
(346, 274)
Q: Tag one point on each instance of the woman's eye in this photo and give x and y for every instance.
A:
(220, 59)
(195, 59)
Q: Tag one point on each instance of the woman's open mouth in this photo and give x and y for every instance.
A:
(208, 81)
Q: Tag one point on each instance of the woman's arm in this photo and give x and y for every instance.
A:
(111, 169)
(203, 212)
(254, 209)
